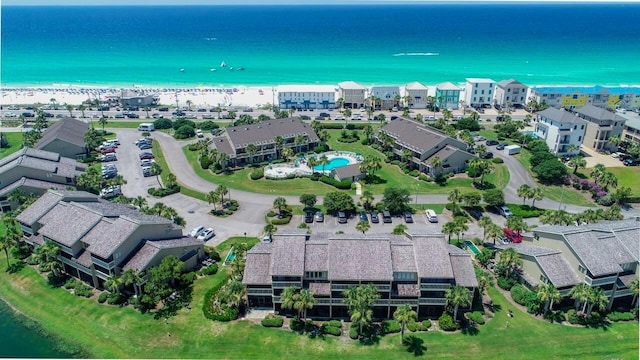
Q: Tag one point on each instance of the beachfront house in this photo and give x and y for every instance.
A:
(418, 145)
(131, 98)
(563, 131)
(306, 97)
(510, 93)
(601, 255)
(352, 94)
(65, 137)
(414, 270)
(386, 97)
(264, 141)
(479, 92)
(602, 125)
(104, 238)
(34, 171)
(572, 97)
(627, 98)
(448, 96)
(418, 94)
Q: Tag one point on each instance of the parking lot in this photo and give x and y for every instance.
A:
(331, 225)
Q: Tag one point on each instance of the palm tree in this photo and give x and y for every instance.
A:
(493, 232)
(436, 163)
(449, 228)
(222, 190)
(367, 199)
(537, 193)
(279, 143)
(212, 198)
(324, 160)
(484, 281)
(432, 102)
(312, 162)
(288, 297)
(368, 131)
(139, 201)
(454, 197)
(509, 259)
(461, 225)
(132, 277)
(457, 296)
(516, 224)
(251, 150)
(580, 293)
(634, 286)
(287, 153)
(113, 283)
(69, 108)
(360, 299)
(280, 204)
(485, 222)
(156, 170)
(608, 179)
(299, 140)
(269, 230)
(598, 299)
(54, 103)
(7, 241)
(403, 315)
(305, 301)
(189, 102)
(597, 172)
(577, 162)
(524, 192)
(237, 291)
(548, 294)
(363, 226)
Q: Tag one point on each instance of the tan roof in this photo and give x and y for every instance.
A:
(288, 255)
(143, 257)
(558, 270)
(39, 208)
(315, 258)
(408, 290)
(256, 269)
(432, 257)
(463, 271)
(402, 258)
(320, 288)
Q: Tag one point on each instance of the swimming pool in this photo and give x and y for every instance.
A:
(471, 246)
(335, 162)
(530, 133)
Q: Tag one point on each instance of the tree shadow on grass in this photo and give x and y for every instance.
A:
(485, 186)
(15, 267)
(471, 330)
(173, 305)
(374, 179)
(414, 345)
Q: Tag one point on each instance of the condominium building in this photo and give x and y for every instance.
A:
(386, 96)
(65, 137)
(602, 125)
(631, 130)
(306, 96)
(413, 270)
(424, 144)
(98, 239)
(572, 97)
(627, 98)
(510, 93)
(448, 96)
(563, 131)
(352, 93)
(418, 94)
(264, 141)
(479, 92)
(601, 255)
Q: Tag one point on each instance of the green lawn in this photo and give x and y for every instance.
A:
(15, 143)
(112, 332)
(628, 176)
(160, 160)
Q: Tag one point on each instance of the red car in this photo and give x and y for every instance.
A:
(108, 150)
(513, 236)
(146, 155)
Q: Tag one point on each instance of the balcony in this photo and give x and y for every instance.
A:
(413, 302)
(433, 301)
(600, 281)
(105, 265)
(434, 287)
(259, 292)
(285, 284)
(623, 292)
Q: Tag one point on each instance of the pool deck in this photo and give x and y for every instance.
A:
(300, 167)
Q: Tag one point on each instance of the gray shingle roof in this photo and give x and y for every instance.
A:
(403, 259)
(346, 172)
(432, 256)
(413, 135)
(408, 290)
(601, 256)
(107, 235)
(30, 183)
(561, 116)
(463, 271)
(288, 255)
(66, 129)
(526, 249)
(151, 248)
(315, 258)
(40, 154)
(504, 83)
(256, 269)
(265, 132)
(66, 223)
(39, 208)
(630, 239)
(44, 161)
(598, 113)
(558, 270)
(222, 144)
(360, 259)
(317, 288)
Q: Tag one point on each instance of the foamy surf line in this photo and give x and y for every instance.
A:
(417, 54)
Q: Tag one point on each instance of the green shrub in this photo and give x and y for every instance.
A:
(425, 177)
(353, 333)
(390, 326)
(497, 160)
(185, 132)
(414, 173)
(332, 330)
(32, 261)
(620, 316)
(525, 211)
(70, 284)
(82, 289)
(271, 213)
(343, 185)
(163, 124)
(116, 299)
(506, 283)
(205, 162)
(257, 174)
(476, 317)
(162, 192)
(208, 125)
(103, 297)
(446, 323)
(210, 270)
(183, 122)
(285, 220)
(272, 321)
(519, 294)
(331, 126)
(333, 323)
(296, 324)
(412, 326)
(223, 311)
(424, 326)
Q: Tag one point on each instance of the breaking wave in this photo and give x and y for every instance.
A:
(417, 54)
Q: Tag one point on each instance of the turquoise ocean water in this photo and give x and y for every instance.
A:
(372, 44)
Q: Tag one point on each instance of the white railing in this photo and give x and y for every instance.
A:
(284, 284)
(259, 291)
(105, 265)
(434, 287)
(601, 281)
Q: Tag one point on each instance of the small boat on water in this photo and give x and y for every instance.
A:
(212, 69)
(223, 64)
(231, 68)
(181, 69)
(240, 68)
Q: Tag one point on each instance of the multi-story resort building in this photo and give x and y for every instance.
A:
(385, 96)
(479, 92)
(418, 94)
(562, 130)
(414, 270)
(306, 96)
(448, 96)
(571, 98)
(510, 93)
(602, 125)
(631, 131)
(98, 239)
(65, 137)
(352, 93)
(267, 138)
(601, 255)
(627, 98)
(425, 144)
(35, 171)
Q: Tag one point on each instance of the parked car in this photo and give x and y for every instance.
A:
(479, 138)
(143, 141)
(195, 232)
(308, 216)
(163, 109)
(108, 157)
(145, 146)
(487, 155)
(146, 155)
(501, 146)
(363, 216)
(408, 218)
(199, 133)
(342, 217)
(206, 235)
(147, 162)
(110, 192)
(491, 142)
(119, 116)
(386, 217)
(108, 150)
(504, 211)
(631, 162)
(475, 213)
(319, 216)
(374, 218)
(431, 216)
(146, 171)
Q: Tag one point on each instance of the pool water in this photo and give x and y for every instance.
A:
(472, 247)
(530, 133)
(336, 162)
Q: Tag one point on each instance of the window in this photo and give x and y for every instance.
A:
(489, 91)
(475, 91)
(543, 279)
(476, 84)
(575, 96)
(582, 269)
(582, 127)
(482, 92)
(509, 90)
(579, 138)
(575, 127)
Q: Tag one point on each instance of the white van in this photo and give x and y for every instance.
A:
(431, 216)
(146, 127)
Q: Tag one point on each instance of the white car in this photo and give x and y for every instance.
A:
(147, 162)
(206, 235)
(199, 133)
(196, 231)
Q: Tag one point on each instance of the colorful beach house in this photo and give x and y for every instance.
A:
(448, 96)
(571, 97)
(306, 97)
(602, 125)
(352, 94)
(386, 96)
(414, 270)
(510, 93)
(418, 94)
(478, 92)
(563, 131)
